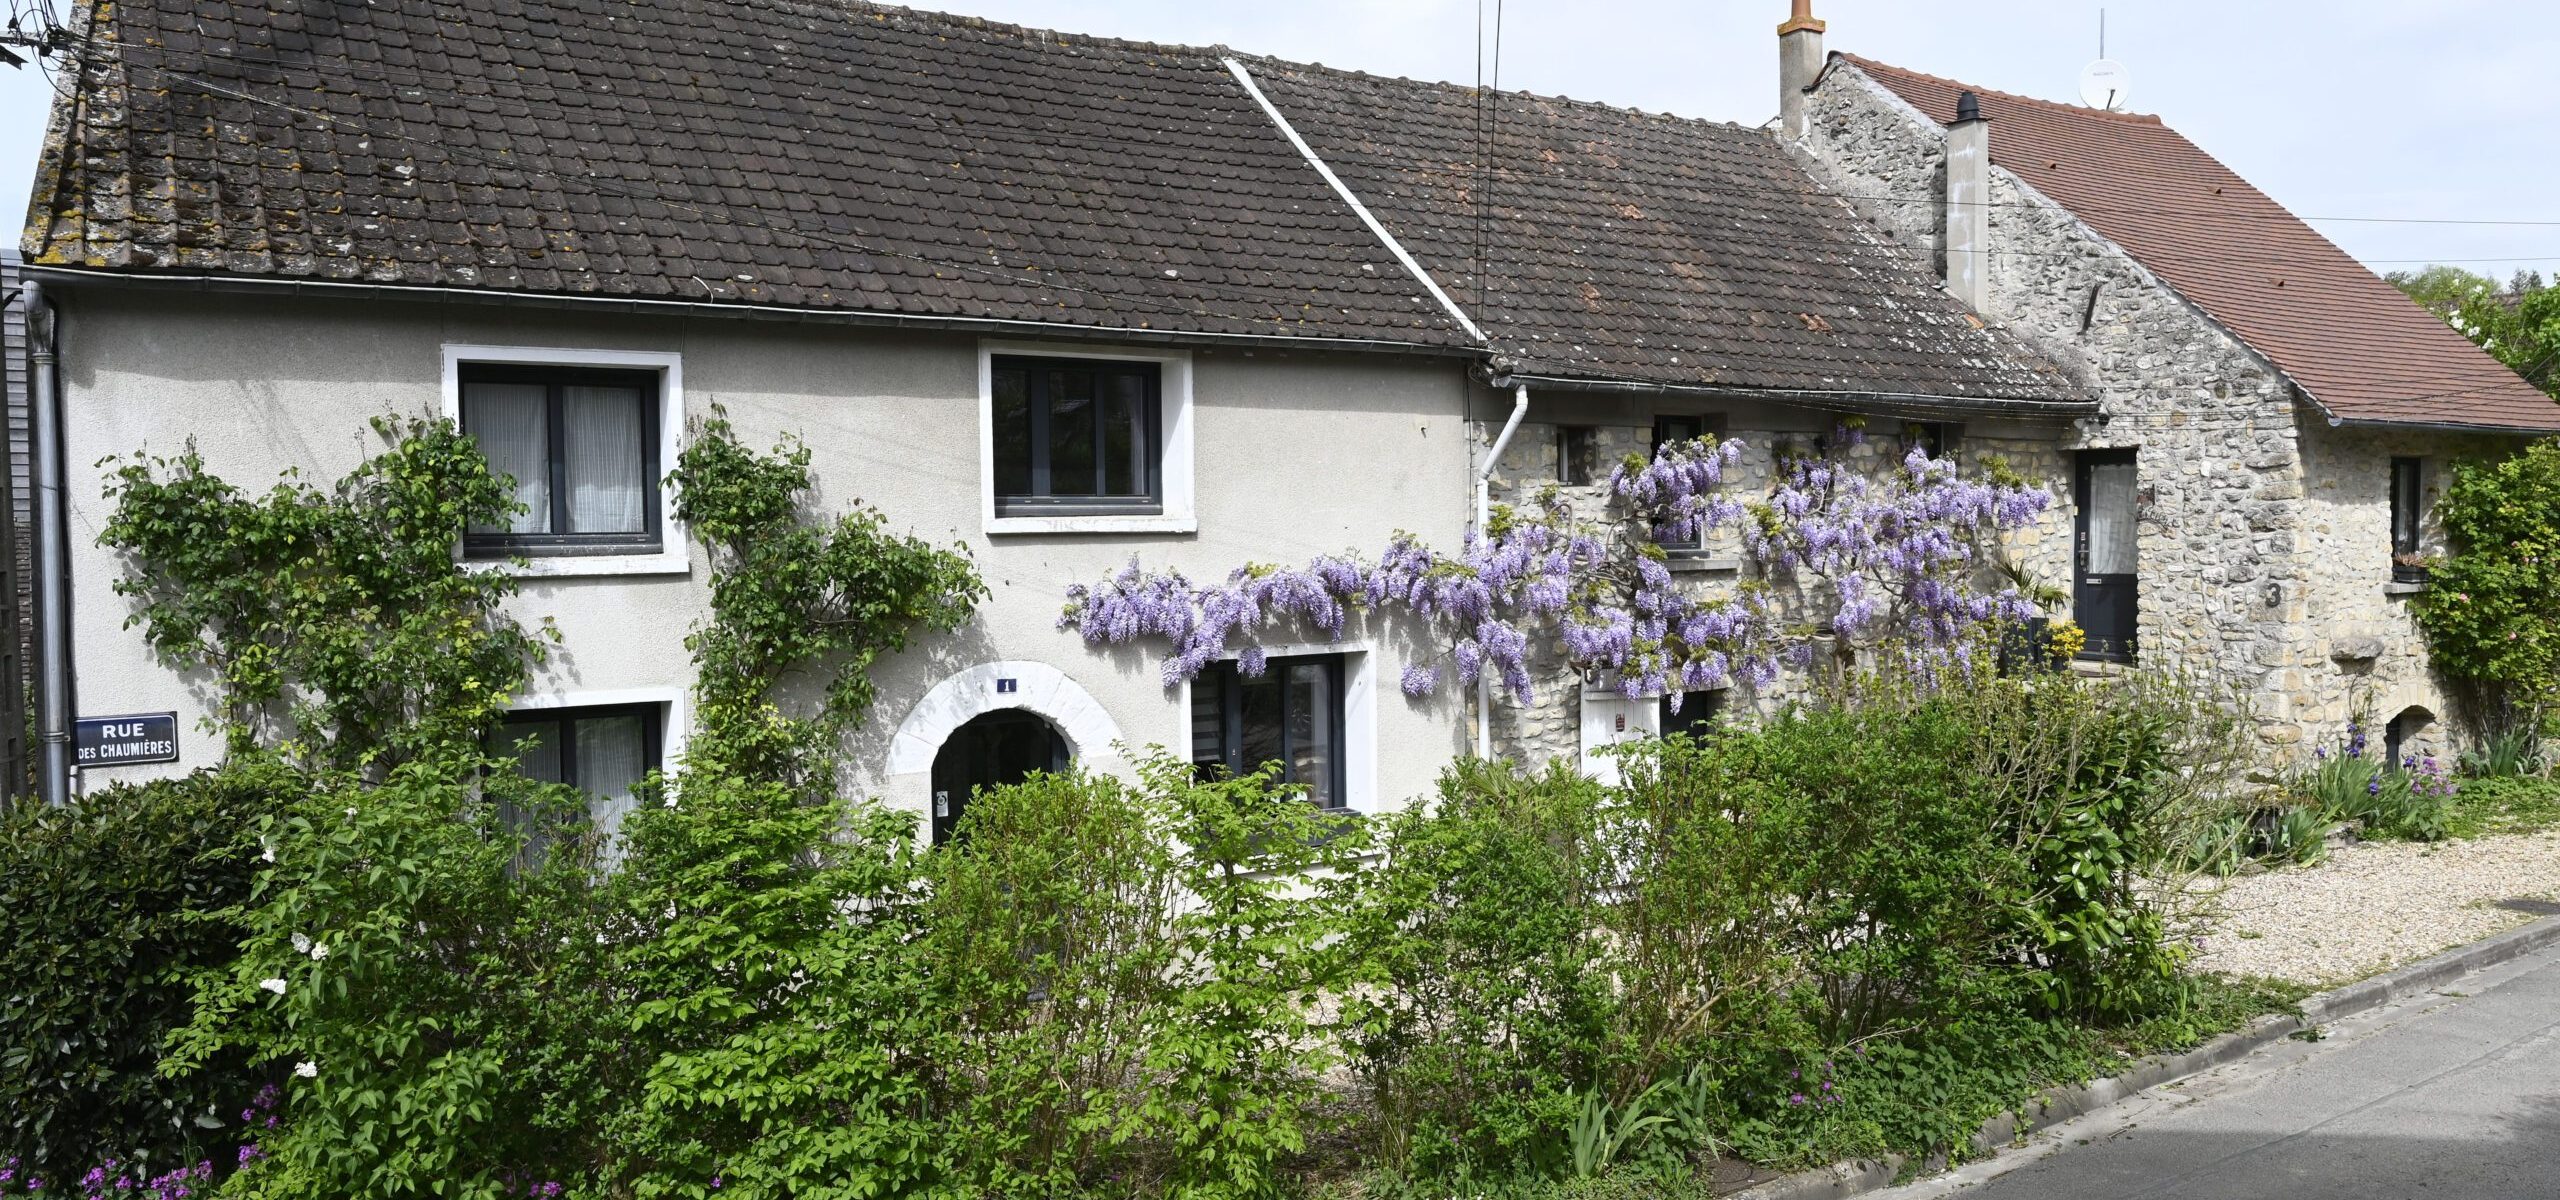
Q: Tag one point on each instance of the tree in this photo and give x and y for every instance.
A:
(2518, 323)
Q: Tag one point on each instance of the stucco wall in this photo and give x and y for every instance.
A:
(1298, 454)
(2263, 533)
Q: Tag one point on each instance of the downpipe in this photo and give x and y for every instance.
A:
(53, 627)
(1484, 521)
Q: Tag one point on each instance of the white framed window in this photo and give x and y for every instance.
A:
(588, 436)
(1314, 710)
(1078, 439)
(601, 742)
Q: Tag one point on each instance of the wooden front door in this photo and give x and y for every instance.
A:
(2103, 591)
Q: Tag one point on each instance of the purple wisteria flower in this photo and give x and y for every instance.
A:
(1884, 558)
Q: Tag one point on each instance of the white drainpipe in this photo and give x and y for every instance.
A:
(1484, 521)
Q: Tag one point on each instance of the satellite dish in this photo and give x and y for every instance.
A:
(2105, 84)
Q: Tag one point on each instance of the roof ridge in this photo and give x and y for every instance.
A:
(1025, 32)
(1521, 93)
(1865, 63)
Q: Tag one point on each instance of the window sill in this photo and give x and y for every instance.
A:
(1702, 564)
(1154, 523)
(571, 566)
(2404, 587)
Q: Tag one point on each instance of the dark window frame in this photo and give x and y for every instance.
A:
(652, 732)
(652, 536)
(1229, 679)
(1043, 500)
(2408, 517)
(1689, 720)
(1943, 439)
(1565, 435)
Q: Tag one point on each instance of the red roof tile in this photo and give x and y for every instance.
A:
(2360, 348)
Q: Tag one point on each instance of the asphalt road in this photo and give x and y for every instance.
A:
(2449, 1096)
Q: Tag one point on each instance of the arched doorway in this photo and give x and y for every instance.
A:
(2410, 734)
(991, 750)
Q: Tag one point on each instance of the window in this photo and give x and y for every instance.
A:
(582, 446)
(603, 752)
(1936, 437)
(1076, 437)
(1291, 714)
(1697, 715)
(1668, 429)
(2407, 502)
(1577, 454)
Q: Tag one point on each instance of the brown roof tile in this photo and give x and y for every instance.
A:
(801, 154)
(2358, 346)
(1626, 245)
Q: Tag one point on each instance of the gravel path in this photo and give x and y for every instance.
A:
(2372, 907)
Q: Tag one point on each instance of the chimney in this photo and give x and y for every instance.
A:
(1968, 207)
(1799, 60)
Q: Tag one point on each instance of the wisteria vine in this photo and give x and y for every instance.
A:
(1892, 560)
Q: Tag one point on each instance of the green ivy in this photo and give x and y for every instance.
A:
(2491, 611)
(337, 621)
(792, 593)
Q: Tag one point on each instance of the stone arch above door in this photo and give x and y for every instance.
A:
(1035, 687)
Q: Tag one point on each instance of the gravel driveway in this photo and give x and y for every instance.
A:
(2377, 905)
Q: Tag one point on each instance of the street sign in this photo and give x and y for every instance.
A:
(124, 741)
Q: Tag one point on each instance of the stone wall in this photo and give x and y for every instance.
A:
(1550, 725)
(2263, 537)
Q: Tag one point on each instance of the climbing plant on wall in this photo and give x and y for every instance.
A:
(1885, 560)
(337, 620)
(794, 593)
(2491, 610)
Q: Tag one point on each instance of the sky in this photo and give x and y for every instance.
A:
(2437, 109)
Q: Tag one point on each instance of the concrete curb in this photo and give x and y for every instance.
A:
(2056, 1105)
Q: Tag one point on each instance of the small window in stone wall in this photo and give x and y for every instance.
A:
(1685, 427)
(1937, 437)
(2408, 505)
(1577, 455)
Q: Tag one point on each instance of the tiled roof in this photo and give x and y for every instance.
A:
(840, 156)
(820, 155)
(1625, 245)
(2358, 346)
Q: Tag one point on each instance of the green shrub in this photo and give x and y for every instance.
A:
(1048, 929)
(398, 975)
(2290, 836)
(2517, 750)
(2504, 804)
(2408, 800)
(108, 908)
(1124, 980)
(2491, 611)
(1484, 1003)
(757, 1003)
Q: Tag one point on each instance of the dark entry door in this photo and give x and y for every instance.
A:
(2103, 589)
(993, 750)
